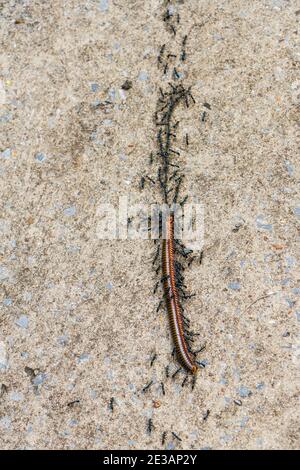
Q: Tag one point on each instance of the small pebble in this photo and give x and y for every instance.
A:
(244, 391)
(262, 224)
(5, 153)
(15, 396)
(70, 211)
(234, 285)
(5, 422)
(62, 340)
(94, 87)
(296, 211)
(259, 385)
(3, 356)
(244, 421)
(289, 167)
(22, 321)
(5, 117)
(39, 156)
(170, 446)
(103, 5)
(39, 378)
(4, 273)
(83, 357)
(122, 157)
(143, 75)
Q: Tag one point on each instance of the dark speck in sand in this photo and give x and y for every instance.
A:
(127, 85)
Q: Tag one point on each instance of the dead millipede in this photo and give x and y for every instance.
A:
(172, 299)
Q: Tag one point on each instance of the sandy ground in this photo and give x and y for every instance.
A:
(78, 323)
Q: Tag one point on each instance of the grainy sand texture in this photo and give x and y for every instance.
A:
(78, 321)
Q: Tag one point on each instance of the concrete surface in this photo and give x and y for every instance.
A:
(78, 321)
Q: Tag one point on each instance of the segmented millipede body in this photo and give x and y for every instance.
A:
(172, 298)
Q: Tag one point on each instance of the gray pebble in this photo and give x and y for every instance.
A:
(39, 156)
(244, 391)
(296, 211)
(70, 211)
(94, 87)
(259, 385)
(15, 396)
(143, 75)
(83, 357)
(234, 285)
(103, 5)
(22, 321)
(5, 422)
(39, 378)
(5, 153)
(262, 224)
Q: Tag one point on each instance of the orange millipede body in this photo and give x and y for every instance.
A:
(172, 298)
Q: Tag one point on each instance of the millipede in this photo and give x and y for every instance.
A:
(186, 358)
